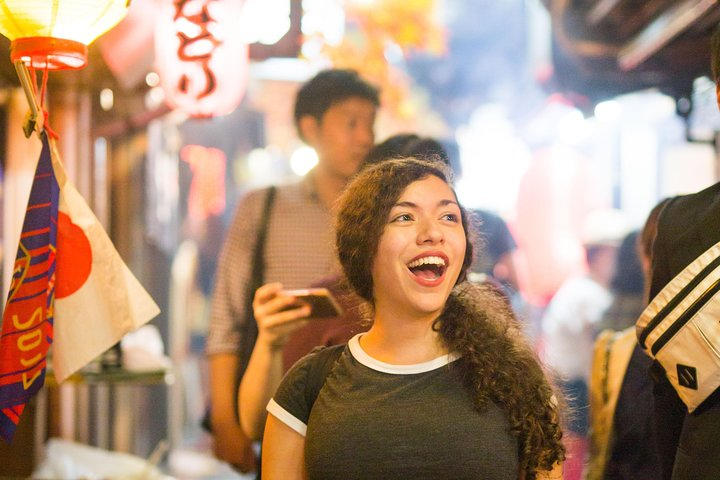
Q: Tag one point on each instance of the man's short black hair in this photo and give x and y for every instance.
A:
(328, 87)
(715, 54)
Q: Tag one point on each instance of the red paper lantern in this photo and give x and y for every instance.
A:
(200, 56)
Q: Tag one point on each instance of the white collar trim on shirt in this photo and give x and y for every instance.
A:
(359, 354)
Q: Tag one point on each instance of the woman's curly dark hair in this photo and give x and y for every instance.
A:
(500, 366)
(497, 362)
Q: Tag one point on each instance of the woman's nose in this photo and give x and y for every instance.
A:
(430, 232)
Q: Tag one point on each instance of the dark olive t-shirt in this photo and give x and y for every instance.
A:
(375, 420)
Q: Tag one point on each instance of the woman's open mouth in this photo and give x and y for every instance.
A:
(428, 270)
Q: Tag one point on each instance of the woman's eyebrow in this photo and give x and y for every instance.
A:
(408, 204)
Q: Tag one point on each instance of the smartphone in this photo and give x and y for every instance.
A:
(322, 302)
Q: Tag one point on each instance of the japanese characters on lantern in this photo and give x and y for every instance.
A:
(201, 57)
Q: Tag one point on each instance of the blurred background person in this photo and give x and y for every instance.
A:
(570, 325)
(495, 253)
(623, 443)
(627, 287)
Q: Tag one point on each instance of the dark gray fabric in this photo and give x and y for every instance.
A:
(370, 424)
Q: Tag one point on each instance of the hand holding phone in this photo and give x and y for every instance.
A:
(323, 304)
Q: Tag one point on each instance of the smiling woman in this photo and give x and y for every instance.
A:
(442, 385)
(420, 254)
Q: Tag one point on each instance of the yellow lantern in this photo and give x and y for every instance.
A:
(54, 34)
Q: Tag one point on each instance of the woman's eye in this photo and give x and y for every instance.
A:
(451, 217)
(402, 218)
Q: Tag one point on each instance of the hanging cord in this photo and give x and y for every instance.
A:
(38, 117)
(43, 89)
(33, 121)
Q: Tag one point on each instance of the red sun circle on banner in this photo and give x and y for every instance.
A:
(74, 257)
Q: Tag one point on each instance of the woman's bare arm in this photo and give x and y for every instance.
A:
(265, 367)
(283, 452)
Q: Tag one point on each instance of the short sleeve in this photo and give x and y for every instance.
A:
(289, 404)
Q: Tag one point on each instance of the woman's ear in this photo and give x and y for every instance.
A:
(309, 126)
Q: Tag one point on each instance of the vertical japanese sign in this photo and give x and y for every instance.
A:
(201, 56)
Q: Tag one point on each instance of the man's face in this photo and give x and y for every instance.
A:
(343, 136)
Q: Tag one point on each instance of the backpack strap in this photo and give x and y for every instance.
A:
(324, 361)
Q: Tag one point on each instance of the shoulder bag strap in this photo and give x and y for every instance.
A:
(249, 327)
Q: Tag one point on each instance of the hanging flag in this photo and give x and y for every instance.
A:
(91, 299)
(97, 298)
(27, 327)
